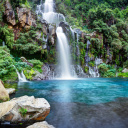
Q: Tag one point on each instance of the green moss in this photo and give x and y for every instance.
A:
(86, 69)
(92, 63)
(10, 85)
(29, 74)
(123, 74)
(37, 65)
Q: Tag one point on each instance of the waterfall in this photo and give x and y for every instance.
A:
(93, 71)
(64, 54)
(3, 43)
(87, 58)
(73, 33)
(46, 11)
(21, 76)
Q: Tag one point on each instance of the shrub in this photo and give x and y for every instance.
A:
(23, 112)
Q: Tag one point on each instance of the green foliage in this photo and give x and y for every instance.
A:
(86, 69)
(125, 64)
(7, 70)
(7, 35)
(23, 112)
(29, 74)
(28, 42)
(37, 64)
(12, 85)
(92, 63)
(21, 66)
(19, 3)
(120, 69)
(117, 44)
(123, 74)
(2, 9)
(106, 70)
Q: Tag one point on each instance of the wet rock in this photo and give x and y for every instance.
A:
(98, 61)
(10, 90)
(65, 26)
(3, 93)
(109, 58)
(23, 59)
(125, 70)
(9, 13)
(43, 124)
(37, 109)
(45, 26)
(44, 75)
(39, 76)
(52, 34)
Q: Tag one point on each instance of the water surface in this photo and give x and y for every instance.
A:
(82, 103)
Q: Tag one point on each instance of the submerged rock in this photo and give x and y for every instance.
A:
(25, 109)
(11, 90)
(3, 93)
(43, 124)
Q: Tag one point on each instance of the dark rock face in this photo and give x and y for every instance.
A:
(9, 13)
(66, 28)
(52, 34)
(26, 18)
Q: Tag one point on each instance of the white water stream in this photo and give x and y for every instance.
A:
(21, 76)
(64, 55)
(47, 12)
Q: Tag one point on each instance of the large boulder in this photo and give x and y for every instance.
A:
(25, 109)
(3, 93)
(44, 75)
(11, 90)
(43, 124)
(125, 70)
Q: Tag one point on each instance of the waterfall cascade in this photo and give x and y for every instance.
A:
(92, 71)
(21, 76)
(66, 70)
(46, 11)
(64, 54)
(3, 43)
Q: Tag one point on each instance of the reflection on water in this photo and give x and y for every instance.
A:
(84, 103)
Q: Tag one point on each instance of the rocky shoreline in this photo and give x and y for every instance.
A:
(23, 110)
